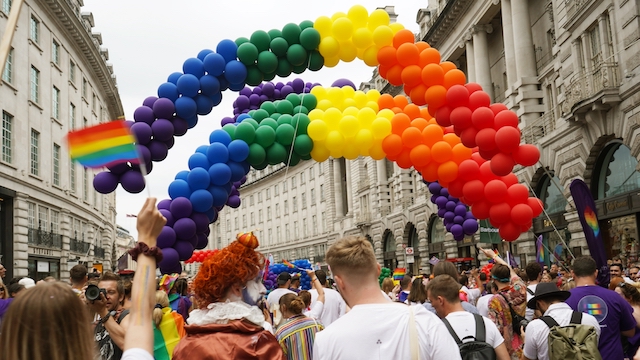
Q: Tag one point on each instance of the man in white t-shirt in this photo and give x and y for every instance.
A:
(443, 292)
(334, 305)
(483, 303)
(534, 274)
(273, 299)
(472, 294)
(376, 328)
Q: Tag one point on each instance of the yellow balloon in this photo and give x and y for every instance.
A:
(396, 27)
(386, 113)
(349, 126)
(358, 15)
(373, 95)
(351, 111)
(319, 92)
(336, 96)
(383, 36)
(335, 141)
(323, 25)
(375, 152)
(348, 51)
(316, 114)
(360, 53)
(380, 128)
(360, 98)
(366, 117)
(319, 152)
(373, 105)
(351, 152)
(337, 16)
(342, 29)
(331, 61)
(364, 139)
(377, 18)
(332, 117)
(362, 38)
(329, 48)
(348, 92)
(324, 104)
(349, 103)
(317, 130)
(336, 153)
(370, 56)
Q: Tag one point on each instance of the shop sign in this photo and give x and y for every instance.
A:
(543, 224)
(410, 259)
(489, 234)
(42, 266)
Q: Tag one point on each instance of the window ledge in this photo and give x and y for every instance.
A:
(73, 84)
(32, 42)
(15, 91)
(85, 100)
(57, 187)
(56, 121)
(53, 64)
(8, 165)
(31, 102)
(36, 177)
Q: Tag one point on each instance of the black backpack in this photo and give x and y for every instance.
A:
(516, 319)
(477, 348)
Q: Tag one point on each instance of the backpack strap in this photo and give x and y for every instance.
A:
(513, 312)
(576, 318)
(122, 315)
(530, 292)
(451, 331)
(480, 329)
(551, 322)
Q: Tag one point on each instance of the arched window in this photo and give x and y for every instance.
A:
(618, 173)
(389, 243)
(436, 231)
(551, 195)
(413, 237)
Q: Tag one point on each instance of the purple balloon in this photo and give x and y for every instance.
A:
(105, 182)
(246, 91)
(254, 99)
(470, 226)
(185, 228)
(158, 149)
(164, 204)
(166, 238)
(132, 181)
(180, 126)
(458, 219)
(444, 192)
(441, 212)
(279, 86)
(119, 169)
(451, 205)
(163, 108)
(242, 102)
(162, 129)
(257, 91)
(142, 132)
(169, 258)
(441, 201)
(184, 249)
(201, 220)
(234, 201)
(149, 101)
(203, 241)
(448, 216)
(343, 83)
(298, 85)
(448, 226)
(469, 215)
(268, 89)
(277, 95)
(456, 230)
(170, 142)
(226, 121)
(286, 90)
(167, 215)
(460, 210)
(144, 114)
(435, 188)
(193, 240)
(181, 208)
(144, 152)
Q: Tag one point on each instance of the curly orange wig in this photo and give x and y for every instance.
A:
(235, 264)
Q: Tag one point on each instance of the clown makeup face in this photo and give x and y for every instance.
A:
(254, 290)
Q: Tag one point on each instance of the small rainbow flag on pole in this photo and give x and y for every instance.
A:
(288, 264)
(540, 250)
(103, 145)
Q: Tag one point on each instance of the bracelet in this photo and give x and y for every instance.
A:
(142, 248)
(314, 279)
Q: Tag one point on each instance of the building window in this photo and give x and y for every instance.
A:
(286, 232)
(55, 103)
(304, 228)
(275, 190)
(313, 196)
(251, 202)
(296, 234)
(84, 88)
(293, 182)
(35, 30)
(32, 216)
(228, 225)
(56, 164)
(72, 116)
(284, 187)
(236, 223)
(314, 224)
(93, 102)
(55, 52)
(7, 75)
(253, 219)
(268, 194)
(277, 210)
(323, 221)
(278, 234)
(35, 85)
(302, 178)
(72, 71)
(311, 172)
(270, 238)
(321, 169)
(72, 175)
(55, 222)
(7, 129)
(244, 221)
(35, 160)
(85, 185)
(260, 216)
(294, 202)
(286, 207)
(618, 174)
(303, 197)
(43, 218)
(321, 192)
(6, 6)
(260, 197)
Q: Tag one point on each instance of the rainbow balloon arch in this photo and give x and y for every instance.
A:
(464, 147)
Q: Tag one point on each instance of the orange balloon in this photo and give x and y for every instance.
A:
(448, 171)
(420, 156)
(411, 137)
(407, 89)
(421, 45)
(386, 101)
(447, 65)
(401, 101)
(392, 145)
(412, 110)
(396, 110)
(411, 75)
(454, 77)
(429, 56)
(435, 97)
(424, 113)
(430, 172)
(403, 36)
(417, 95)
(408, 54)
(387, 56)
(461, 153)
(399, 122)
(432, 74)
(420, 124)
(451, 139)
(441, 152)
(432, 134)
(404, 159)
(383, 69)
(394, 75)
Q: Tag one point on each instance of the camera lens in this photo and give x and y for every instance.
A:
(92, 293)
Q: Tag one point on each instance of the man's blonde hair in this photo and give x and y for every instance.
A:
(352, 256)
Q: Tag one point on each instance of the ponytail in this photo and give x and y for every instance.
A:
(293, 303)
(162, 301)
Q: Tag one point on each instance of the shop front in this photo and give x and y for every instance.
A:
(436, 247)
(554, 249)
(389, 254)
(41, 267)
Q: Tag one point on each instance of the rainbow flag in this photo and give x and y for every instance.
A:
(168, 334)
(399, 273)
(103, 145)
(540, 250)
(288, 264)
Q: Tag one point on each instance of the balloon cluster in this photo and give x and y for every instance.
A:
(251, 99)
(457, 219)
(275, 269)
(355, 34)
(280, 52)
(200, 256)
(384, 273)
(486, 269)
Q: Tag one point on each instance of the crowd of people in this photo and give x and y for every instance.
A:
(225, 312)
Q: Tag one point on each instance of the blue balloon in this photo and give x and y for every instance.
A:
(235, 72)
(198, 160)
(173, 78)
(242, 117)
(216, 99)
(219, 194)
(246, 167)
(209, 85)
(217, 153)
(220, 174)
(212, 214)
(198, 179)
(214, 64)
(168, 90)
(236, 87)
(188, 85)
(192, 121)
(194, 67)
(203, 53)
(220, 136)
(202, 200)
(228, 49)
(224, 83)
(238, 150)
(227, 188)
(182, 175)
(203, 104)
(179, 188)
(203, 149)
(186, 107)
(237, 171)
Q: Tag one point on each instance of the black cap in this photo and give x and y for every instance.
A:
(283, 277)
(544, 290)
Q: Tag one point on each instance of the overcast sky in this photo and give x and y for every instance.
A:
(149, 39)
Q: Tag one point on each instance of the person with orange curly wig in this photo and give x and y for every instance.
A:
(228, 324)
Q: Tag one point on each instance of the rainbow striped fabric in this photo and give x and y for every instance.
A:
(296, 337)
(288, 264)
(103, 145)
(399, 273)
(167, 336)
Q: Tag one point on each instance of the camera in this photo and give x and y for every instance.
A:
(93, 292)
(523, 324)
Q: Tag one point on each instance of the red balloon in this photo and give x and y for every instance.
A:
(457, 95)
(505, 118)
(468, 170)
(517, 194)
(473, 87)
(486, 174)
(477, 158)
(509, 231)
(526, 227)
(479, 99)
(510, 179)
(508, 139)
(482, 118)
(495, 191)
(456, 187)
(473, 191)
(443, 116)
(486, 139)
(500, 213)
(468, 137)
(527, 155)
(521, 214)
(480, 209)
(461, 118)
(536, 206)
(498, 107)
(502, 164)
(488, 154)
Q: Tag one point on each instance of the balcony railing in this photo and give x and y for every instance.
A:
(575, 6)
(79, 246)
(98, 252)
(540, 127)
(543, 58)
(44, 238)
(585, 85)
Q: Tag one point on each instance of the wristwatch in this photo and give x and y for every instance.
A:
(106, 317)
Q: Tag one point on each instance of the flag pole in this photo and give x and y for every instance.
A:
(10, 29)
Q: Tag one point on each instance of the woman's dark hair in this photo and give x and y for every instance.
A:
(630, 292)
(418, 293)
(14, 289)
(446, 268)
(182, 286)
(293, 303)
(306, 297)
(501, 273)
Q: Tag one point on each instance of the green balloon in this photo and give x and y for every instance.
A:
(253, 122)
(294, 158)
(241, 40)
(262, 165)
(300, 109)
(248, 53)
(251, 112)
(257, 155)
(306, 157)
(270, 76)
(285, 107)
(285, 119)
(274, 33)
(246, 132)
(284, 67)
(294, 99)
(309, 101)
(260, 114)
(284, 134)
(310, 38)
(300, 68)
(291, 33)
(231, 130)
(274, 116)
(303, 145)
(261, 40)
(316, 61)
(271, 123)
(279, 46)
(269, 107)
(254, 76)
(297, 55)
(276, 154)
(267, 62)
(306, 24)
(300, 123)
(265, 136)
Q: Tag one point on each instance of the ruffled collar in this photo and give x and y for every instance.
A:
(223, 312)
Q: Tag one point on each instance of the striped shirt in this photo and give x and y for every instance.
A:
(296, 337)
